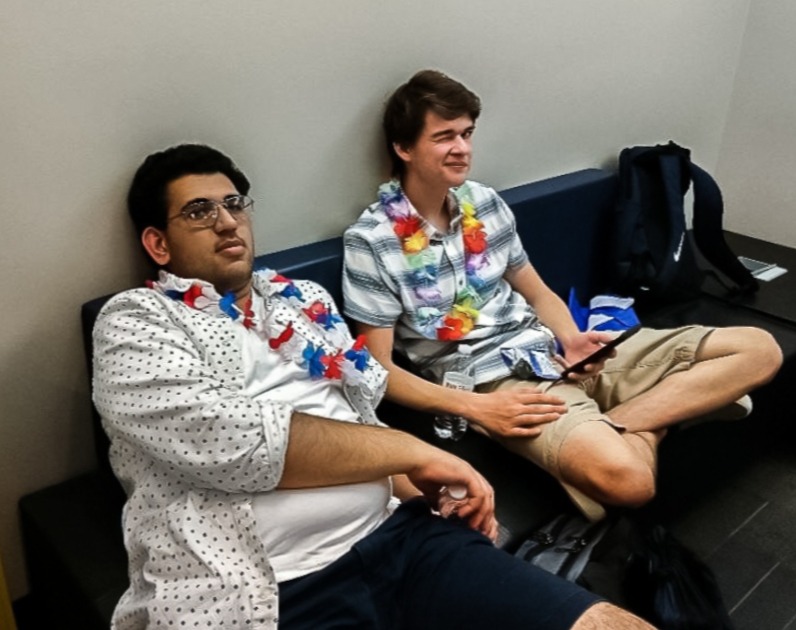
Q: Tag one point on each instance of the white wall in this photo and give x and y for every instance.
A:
(757, 163)
(293, 91)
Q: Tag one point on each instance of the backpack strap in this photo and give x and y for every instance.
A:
(673, 166)
(709, 234)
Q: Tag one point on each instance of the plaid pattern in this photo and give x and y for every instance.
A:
(378, 290)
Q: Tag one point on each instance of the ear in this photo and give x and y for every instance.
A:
(402, 152)
(156, 245)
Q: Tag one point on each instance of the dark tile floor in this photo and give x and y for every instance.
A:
(745, 532)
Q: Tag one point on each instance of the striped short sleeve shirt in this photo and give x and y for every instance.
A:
(379, 289)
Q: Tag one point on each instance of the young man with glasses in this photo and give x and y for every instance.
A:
(261, 487)
(437, 262)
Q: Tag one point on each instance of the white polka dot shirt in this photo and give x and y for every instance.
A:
(191, 450)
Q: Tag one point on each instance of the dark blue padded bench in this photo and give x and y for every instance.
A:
(72, 531)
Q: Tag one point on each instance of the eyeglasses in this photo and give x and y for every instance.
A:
(204, 213)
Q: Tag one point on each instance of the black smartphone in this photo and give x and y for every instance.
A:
(602, 351)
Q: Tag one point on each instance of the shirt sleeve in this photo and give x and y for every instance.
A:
(370, 294)
(162, 399)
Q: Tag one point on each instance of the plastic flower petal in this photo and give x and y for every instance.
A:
(417, 263)
(451, 329)
(359, 358)
(292, 349)
(475, 242)
(329, 320)
(476, 262)
(351, 374)
(415, 243)
(428, 295)
(359, 343)
(313, 358)
(465, 308)
(332, 363)
(358, 354)
(476, 282)
(468, 323)
(338, 335)
(471, 223)
(315, 310)
(191, 294)
(248, 314)
(283, 337)
(291, 291)
(227, 305)
(406, 226)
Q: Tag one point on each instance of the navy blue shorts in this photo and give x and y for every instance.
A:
(420, 571)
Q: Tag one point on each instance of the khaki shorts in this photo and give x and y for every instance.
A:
(641, 362)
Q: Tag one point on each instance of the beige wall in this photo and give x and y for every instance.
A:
(293, 91)
(757, 165)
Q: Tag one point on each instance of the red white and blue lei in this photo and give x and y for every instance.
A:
(341, 358)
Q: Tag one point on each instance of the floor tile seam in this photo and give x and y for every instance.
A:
(754, 588)
(790, 623)
(743, 524)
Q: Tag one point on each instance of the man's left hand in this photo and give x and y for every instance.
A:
(581, 346)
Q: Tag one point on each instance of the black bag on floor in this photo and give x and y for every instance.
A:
(654, 259)
(667, 584)
(637, 566)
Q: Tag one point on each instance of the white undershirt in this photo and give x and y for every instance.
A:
(305, 530)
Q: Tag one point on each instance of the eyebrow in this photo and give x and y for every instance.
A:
(204, 199)
(451, 131)
(193, 201)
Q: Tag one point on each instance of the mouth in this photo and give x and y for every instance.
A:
(458, 165)
(231, 248)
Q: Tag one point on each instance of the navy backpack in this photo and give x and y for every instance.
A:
(654, 255)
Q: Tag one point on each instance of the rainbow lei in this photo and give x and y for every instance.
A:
(408, 227)
(341, 364)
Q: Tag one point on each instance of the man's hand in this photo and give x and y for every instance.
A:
(518, 412)
(582, 345)
(446, 470)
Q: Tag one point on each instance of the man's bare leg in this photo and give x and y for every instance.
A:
(729, 363)
(604, 616)
(610, 467)
(619, 469)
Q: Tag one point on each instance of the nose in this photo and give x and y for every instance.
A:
(224, 221)
(461, 145)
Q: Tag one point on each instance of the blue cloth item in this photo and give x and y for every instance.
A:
(420, 571)
(604, 312)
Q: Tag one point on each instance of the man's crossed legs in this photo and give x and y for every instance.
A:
(604, 448)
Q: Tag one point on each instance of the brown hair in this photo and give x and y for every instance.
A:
(405, 112)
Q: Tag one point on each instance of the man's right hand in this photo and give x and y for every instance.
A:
(445, 470)
(518, 412)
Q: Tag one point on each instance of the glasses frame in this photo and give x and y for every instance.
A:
(242, 213)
